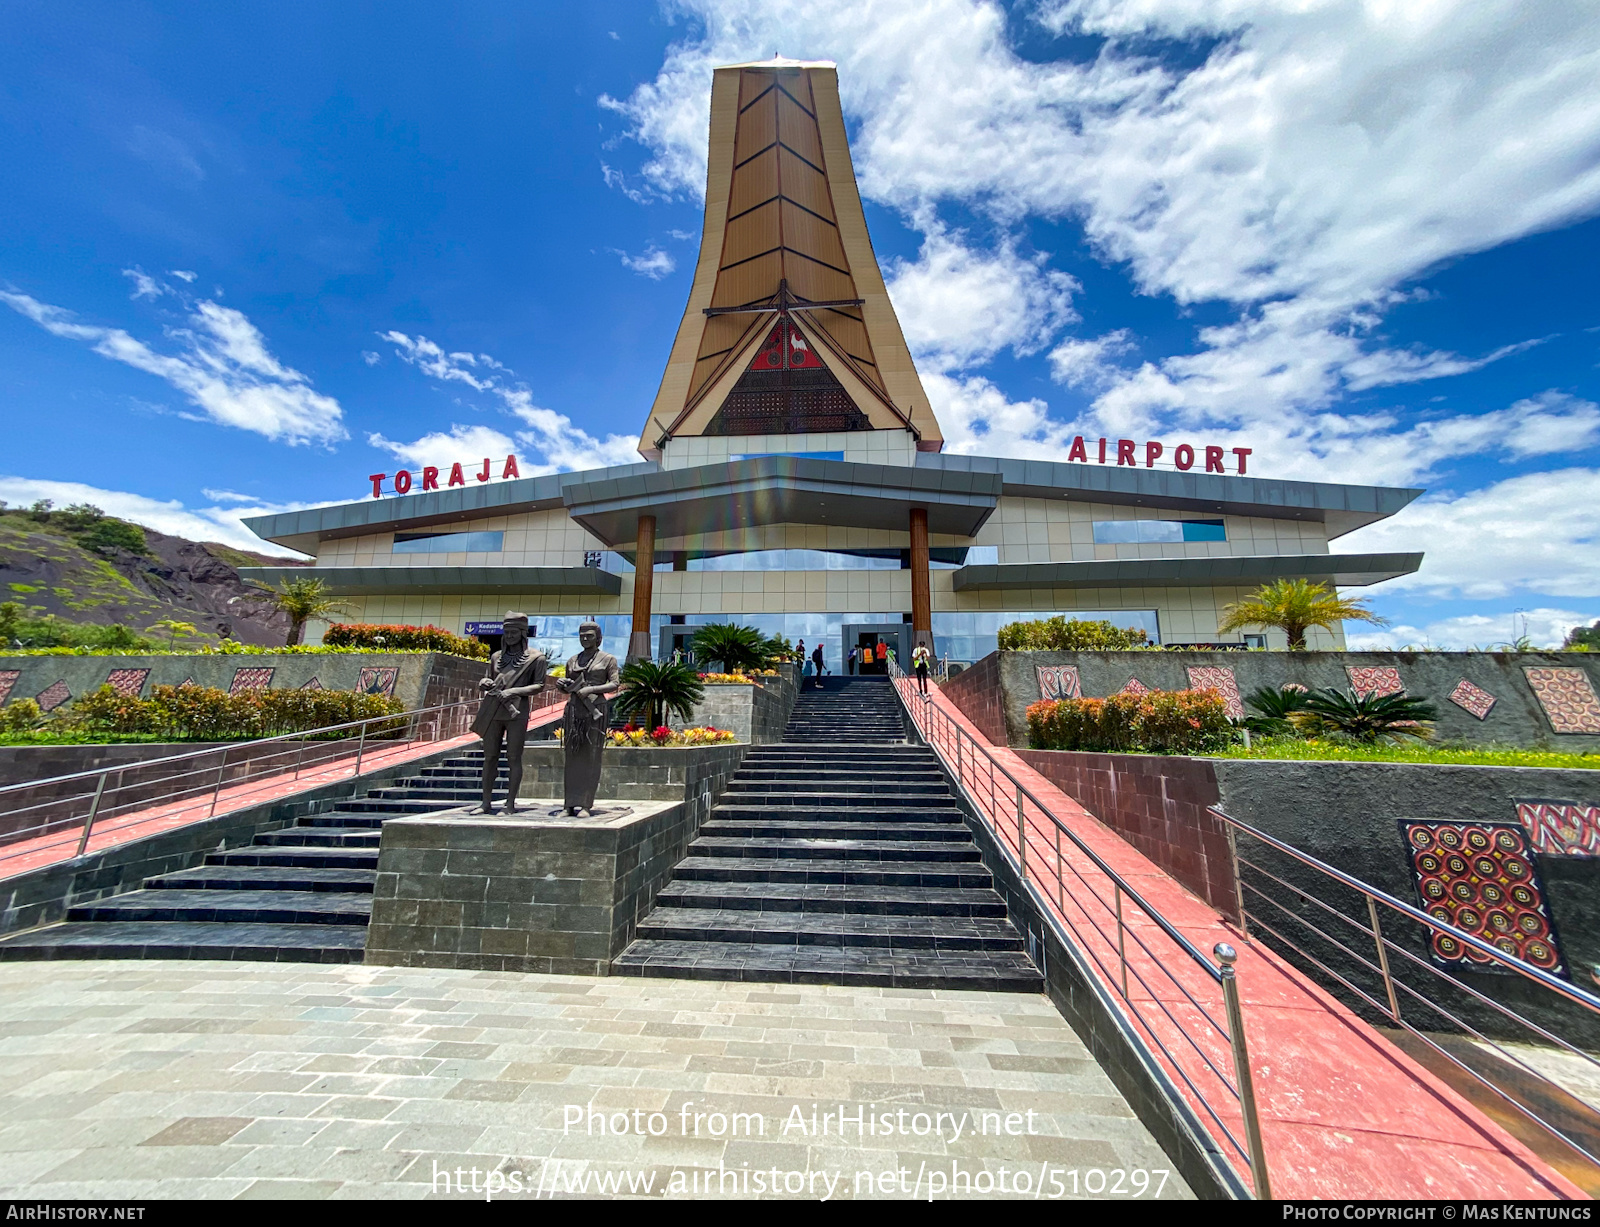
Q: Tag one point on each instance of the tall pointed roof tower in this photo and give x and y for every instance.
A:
(789, 328)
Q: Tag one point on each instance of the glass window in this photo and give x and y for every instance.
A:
(1157, 532)
(449, 543)
(797, 455)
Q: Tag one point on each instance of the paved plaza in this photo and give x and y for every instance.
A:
(166, 1079)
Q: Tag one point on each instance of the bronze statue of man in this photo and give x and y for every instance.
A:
(592, 676)
(516, 672)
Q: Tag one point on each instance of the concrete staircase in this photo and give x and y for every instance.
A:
(300, 894)
(837, 856)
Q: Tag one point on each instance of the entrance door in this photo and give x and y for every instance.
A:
(864, 635)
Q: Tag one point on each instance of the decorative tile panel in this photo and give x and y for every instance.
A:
(1473, 699)
(251, 679)
(1058, 682)
(8, 679)
(127, 681)
(378, 680)
(1219, 678)
(1482, 878)
(53, 696)
(1567, 696)
(1377, 680)
(313, 684)
(1134, 686)
(1561, 828)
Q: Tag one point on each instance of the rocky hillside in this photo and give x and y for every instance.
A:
(94, 573)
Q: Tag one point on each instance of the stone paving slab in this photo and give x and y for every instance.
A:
(195, 1079)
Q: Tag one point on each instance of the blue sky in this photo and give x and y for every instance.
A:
(251, 255)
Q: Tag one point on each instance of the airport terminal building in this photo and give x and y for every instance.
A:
(793, 477)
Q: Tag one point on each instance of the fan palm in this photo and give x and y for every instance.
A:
(736, 647)
(659, 690)
(1366, 717)
(1294, 606)
(304, 599)
(1274, 708)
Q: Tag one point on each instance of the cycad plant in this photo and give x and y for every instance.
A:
(1273, 709)
(1294, 606)
(1366, 718)
(659, 690)
(737, 648)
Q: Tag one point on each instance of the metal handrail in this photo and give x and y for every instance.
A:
(1393, 986)
(443, 720)
(924, 716)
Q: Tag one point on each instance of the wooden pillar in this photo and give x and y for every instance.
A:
(644, 568)
(921, 594)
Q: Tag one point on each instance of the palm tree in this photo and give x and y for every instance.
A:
(1294, 606)
(174, 629)
(1366, 717)
(658, 690)
(737, 647)
(304, 599)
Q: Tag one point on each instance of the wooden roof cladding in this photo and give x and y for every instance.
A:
(781, 228)
(784, 225)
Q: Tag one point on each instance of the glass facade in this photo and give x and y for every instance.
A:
(940, 558)
(449, 543)
(1157, 532)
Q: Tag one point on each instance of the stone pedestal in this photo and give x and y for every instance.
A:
(525, 893)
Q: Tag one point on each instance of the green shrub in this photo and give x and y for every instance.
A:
(206, 713)
(109, 534)
(21, 716)
(391, 637)
(1157, 722)
(1366, 717)
(1061, 634)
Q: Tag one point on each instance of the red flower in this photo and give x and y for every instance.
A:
(662, 732)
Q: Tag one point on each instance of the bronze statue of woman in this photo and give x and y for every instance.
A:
(592, 676)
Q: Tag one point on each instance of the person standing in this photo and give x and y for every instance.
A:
(850, 661)
(921, 658)
(816, 659)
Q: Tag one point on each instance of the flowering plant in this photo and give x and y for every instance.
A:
(663, 737)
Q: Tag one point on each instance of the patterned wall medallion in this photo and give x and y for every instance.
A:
(251, 679)
(313, 684)
(1473, 699)
(1374, 680)
(377, 680)
(1134, 686)
(53, 696)
(1568, 698)
(8, 679)
(1219, 678)
(1482, 877)
(1561, 828)
(1058, 682)
(127, 681)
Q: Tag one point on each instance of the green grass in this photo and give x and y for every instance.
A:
(1414, 752)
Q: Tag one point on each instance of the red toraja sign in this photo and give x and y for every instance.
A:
(1184, 457)
(430, 477)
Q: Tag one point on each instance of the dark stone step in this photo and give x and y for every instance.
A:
(833, 897)
(265, 877)
(801, 828)
(319, 837)
(162, 939)
(325, 858)
(337, 819)
(860, 793)
(965, 875)
(807, 929)
(851, 776)
(838, 801)
(363, 806)
(1002, 971)
(289, 907)
(835, 849)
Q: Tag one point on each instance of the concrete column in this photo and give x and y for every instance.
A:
(921, 592)
(644, 569)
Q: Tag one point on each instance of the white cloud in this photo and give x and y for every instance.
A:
(558, 445)
(1080, 363)
(220, 524)
(370, 358)
(182, 274)
(653, 263)
(1544, 628)
(223, 367)
(144, 285)
(1323, 155)
(960, 306)
(1539, 532)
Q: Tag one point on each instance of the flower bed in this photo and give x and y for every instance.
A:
(1156, 722)
(663, 738)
